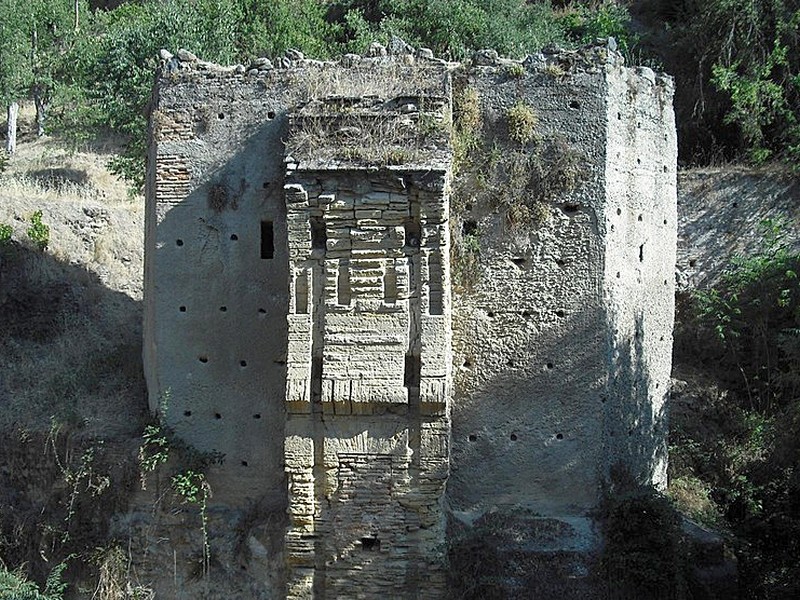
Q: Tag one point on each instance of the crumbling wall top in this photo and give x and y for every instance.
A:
(602, 55)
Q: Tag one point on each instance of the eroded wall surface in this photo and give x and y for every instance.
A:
(215, 341)
(640, 222)
(330, 281)
(529, 336)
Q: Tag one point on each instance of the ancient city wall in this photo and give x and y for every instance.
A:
(389, 285)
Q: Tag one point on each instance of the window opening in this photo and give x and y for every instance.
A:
(267, 240)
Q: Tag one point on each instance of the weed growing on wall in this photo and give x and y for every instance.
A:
(193, 488)
(160, 446)
(521, 120)
(513, 70)
(114, 582)
(466, 132)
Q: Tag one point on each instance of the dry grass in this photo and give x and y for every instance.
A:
(381, 81)
(70, 316)
(50, 170)
(693, 498)
(114, 577)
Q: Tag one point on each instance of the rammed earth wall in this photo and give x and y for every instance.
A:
(305, 225)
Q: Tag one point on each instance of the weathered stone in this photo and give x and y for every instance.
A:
(294, 54)
(347, 342)
(486, 58)
(375, 50)
(399, 46)
(261, 63)
(186, 56)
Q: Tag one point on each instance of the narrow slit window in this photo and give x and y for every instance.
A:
(301, 293)
(267, 240)
(436, 283)
(343, 283)
(413, 233)
(390, 284)
(319, 234)
(412, 374)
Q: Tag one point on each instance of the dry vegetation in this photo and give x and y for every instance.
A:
(71, 383)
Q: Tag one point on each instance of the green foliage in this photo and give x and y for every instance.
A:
(450, 28)
(38, 232)
(760, 100)
(153, 452)
(737, 64)
(742, 444)
(465, 136)
(585, 24)
(514, 71)
(755, 316)
(14, 585)
(6, 231)
(159, 446)
(14, 72)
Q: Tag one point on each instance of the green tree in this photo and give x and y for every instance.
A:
(115, 60)
(52, 28)
(13, 64)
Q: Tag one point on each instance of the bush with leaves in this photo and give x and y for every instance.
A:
(14, 585)
(644, 554)
(452, 29)
(737, 66)
(38, 232)
(742, 443)
(754, 315)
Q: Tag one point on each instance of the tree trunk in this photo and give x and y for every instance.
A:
(41, 107)
(11, 141)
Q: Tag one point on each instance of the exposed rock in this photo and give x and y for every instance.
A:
(399, 46)
(486, 58)
(261, 63)
(375, 50)
(186, 56)
(294, 54)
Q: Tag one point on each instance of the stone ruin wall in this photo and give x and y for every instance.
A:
(300, 316)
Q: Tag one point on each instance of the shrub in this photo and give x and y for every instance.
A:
(741, 439)
(643, 554)
(14, 585)
(521, 120)
(584, 24)
(6, 231)
(38, 232)
(736, 64)
(754, 315)
(514, 70)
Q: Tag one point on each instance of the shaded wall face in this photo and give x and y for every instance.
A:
(529, 336)
(215, 301)
(368, 380)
